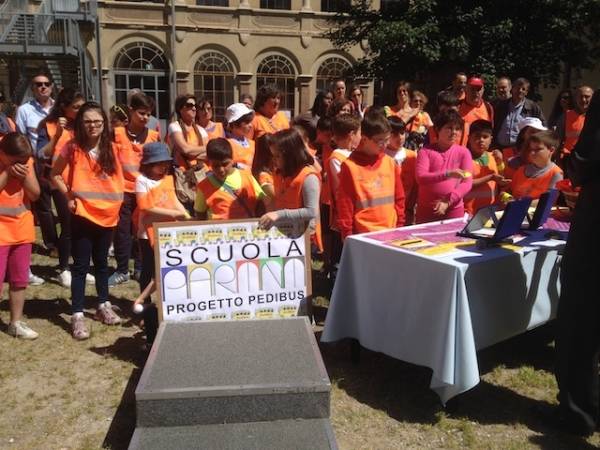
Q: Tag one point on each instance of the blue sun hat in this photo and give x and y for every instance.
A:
(155, 152)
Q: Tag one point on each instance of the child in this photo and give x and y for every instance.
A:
(485, 171)
(226, 192)
(443, 172)
(296, 185)
(370, 195)
(129, 141)
(95, 191)
(514, 157)
(446, 101)
(239, 119)
(157, 202)
(406, 159)
(539, 174)
(18, 188)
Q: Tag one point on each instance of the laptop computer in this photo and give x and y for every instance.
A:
(543, 209)
(485, 224)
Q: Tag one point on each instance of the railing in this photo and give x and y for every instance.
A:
(32, 30)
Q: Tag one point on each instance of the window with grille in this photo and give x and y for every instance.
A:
(335, 5)
(277, 69)
(331, 69)
(275, 4)
(143, 66)
(214, 78)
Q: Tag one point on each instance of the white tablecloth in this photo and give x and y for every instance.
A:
(438, 311)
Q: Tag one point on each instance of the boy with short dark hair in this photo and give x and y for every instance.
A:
(226, 192)
(370, 196)
(539, 174)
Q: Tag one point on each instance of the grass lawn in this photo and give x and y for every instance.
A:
(58, 393)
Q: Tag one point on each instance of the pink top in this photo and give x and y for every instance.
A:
(430, 173)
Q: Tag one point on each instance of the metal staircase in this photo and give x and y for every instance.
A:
(50, 34)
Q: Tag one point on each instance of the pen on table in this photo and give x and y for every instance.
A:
(414, 241)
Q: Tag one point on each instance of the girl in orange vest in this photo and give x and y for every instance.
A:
(204, 115)
(268, 119)
(262, 166)
(296, 185)
(239, 122)
(18, 188)
(94, 188)
(157, 202)
(129, 141)
(53, 133)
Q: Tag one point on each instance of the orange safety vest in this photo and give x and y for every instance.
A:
(242, 155)
(265, 178)
(326, 198)
(483, 194)
(263, 125)
(375, 202)
(288, 195)
(409, 181)
(130, 154)
(338, 156)
(98, 195)
(523, 186)
(16, 219)
(161, 196)
(216, 131)
(65, 137)
(421, 123)
(470, 114)
(573, 126)
(191, 138)
(224, 204)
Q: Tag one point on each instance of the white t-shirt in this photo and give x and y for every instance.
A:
(335, 166)
(175, 127)
(398, 156)
(143, 185)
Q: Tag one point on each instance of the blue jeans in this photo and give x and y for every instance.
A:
(89, 240)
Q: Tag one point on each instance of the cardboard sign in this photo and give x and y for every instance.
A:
(228, 270)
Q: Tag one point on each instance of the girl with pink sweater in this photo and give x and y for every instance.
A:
(443, 172)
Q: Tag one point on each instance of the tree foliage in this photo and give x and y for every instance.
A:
(417, 39)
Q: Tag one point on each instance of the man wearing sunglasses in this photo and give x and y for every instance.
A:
(29, 115)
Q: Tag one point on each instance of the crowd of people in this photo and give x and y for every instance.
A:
(340, 168)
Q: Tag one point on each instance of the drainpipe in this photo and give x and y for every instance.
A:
(173, 59)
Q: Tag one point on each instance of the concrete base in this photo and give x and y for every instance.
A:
(314, 434)
(238, 371)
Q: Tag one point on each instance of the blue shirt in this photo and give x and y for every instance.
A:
(509, 130)
(29, 115)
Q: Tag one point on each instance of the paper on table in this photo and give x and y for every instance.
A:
(551, 243)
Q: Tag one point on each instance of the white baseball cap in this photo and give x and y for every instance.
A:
(532, 122)
(236, 112)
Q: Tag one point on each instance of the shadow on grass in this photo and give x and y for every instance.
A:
(123, 423)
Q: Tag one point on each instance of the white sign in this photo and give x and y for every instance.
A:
(222, 270)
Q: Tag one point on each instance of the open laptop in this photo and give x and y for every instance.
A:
(485, 225)
(543, 209)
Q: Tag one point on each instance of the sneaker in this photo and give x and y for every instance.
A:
(20, 330)
(89, 278)
(118, 278)
(78, 329)
(34, 280)
(64, 278)
(136, 275)
(106, 314)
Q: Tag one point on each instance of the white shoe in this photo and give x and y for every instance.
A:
(34, 280)
(21, 330)
(89, 278)
(65, 278)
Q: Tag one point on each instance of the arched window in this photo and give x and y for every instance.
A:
(213, 78)
(277, 69)
(329, 70)
(143, 66)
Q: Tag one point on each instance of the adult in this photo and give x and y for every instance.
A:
(357, 99)
(570, 128)
(340, 106)
(204, 118)
(503, 88)
(402, 108)
(54, 132)
(29, 115)
(474, 107)
(459, 85)
(268, 119)
(339, 89)
(578, 314)
(511, 111)
(319, 108)
(422, 121)
(247, 100)
(562, 103)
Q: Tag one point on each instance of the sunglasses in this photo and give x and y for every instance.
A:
(93, 123)
(190, 105)
(42, 83)
(566, 97)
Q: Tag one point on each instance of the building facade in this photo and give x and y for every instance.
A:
(219, 49)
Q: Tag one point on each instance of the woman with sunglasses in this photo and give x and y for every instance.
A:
(187, 138)
(53, 134)
(94, 188)
(204, 115)
(563, 102)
